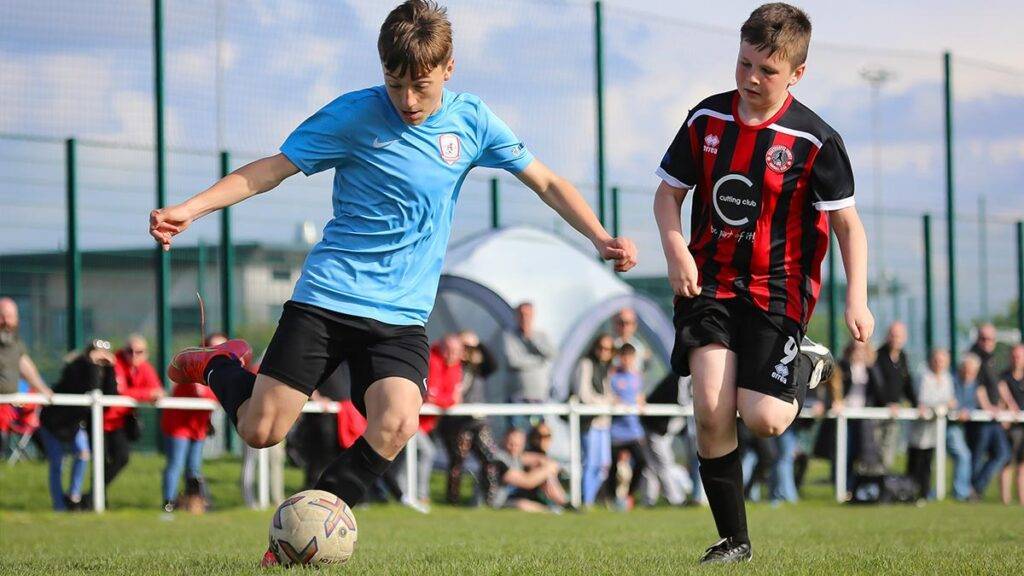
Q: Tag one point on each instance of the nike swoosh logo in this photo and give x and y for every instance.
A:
(378, 144)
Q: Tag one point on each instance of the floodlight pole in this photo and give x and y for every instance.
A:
(876, 77)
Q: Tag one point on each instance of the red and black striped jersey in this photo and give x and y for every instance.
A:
(759, 229)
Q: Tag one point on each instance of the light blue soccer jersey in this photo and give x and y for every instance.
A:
(395, 188)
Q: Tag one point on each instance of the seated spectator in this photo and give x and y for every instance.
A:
(592, 385)
(1011, 388)
(186, 432)
(965, 389)
(934, 392)
(530, 479)
(627, 432)
(63, 427)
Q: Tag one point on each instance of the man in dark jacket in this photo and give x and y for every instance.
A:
(895, 386)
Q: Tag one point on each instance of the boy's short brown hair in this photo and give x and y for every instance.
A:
(780, 29)
(416, 36)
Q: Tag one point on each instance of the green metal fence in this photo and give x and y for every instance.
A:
(161, 98)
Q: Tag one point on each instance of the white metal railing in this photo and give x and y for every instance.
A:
(96, 401)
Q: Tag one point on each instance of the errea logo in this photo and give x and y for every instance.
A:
(711, 142)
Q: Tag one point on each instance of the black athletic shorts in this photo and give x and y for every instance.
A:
(767, 348)
(310, 342)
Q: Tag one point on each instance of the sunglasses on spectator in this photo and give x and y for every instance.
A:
(137, 351)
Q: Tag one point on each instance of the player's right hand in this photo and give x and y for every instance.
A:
(683, 277)
(165, 223)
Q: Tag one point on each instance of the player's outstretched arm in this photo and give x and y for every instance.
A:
(254, 178)
(853, 244)
(682, 270)
(565, 199)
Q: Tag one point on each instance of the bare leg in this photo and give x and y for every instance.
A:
(265, 418)
(765, 415)
(714, 399)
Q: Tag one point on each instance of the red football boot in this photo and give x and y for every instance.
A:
(189, 365)
(269, 560)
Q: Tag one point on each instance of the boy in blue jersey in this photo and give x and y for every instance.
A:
(400, 154)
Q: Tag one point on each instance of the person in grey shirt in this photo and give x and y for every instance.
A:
(15, 362)
(529, 353)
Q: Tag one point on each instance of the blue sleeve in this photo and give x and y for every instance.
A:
(321, 141)
(499, 147)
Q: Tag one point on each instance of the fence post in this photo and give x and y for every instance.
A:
(200, 268)
(410, 470)
(1020, 278)
(163, 260)
(575, 461)
(495, 204)
(263, 478)
(227, 286)
(833, 297)
(841, 432)
(99, 487)
(947, 68)
(615, 211)
(599, 88)
(940, 453)
(74, 257)
(929, 294)
(983, 254)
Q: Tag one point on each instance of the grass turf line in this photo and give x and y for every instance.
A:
(813, 537)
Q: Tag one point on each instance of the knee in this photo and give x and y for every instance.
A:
(710, 427)
(767, 426)
(260, 435)
(398, 427)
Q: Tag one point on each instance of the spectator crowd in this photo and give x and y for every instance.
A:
(627, 460)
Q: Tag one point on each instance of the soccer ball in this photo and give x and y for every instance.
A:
(313, 527)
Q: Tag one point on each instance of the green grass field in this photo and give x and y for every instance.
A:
(816, 536)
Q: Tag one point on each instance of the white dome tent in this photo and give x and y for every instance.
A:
(487, 275)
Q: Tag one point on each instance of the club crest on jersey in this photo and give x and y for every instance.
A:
(779, 158)
(451, 148)
(711, 142)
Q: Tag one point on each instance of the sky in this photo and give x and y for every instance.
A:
(84, 68)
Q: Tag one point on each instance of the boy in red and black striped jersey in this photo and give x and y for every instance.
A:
(769, 177)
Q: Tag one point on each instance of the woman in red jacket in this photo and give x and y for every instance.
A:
(136, 378)
(186, 431)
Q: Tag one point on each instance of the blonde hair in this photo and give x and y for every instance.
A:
(416, 37)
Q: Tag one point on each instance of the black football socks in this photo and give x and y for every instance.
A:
(723, 484)
(351, 475)
(231, 383)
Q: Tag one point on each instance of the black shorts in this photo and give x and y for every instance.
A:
(310, 342)
(767, 348)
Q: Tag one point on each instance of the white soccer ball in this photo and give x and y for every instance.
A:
(313, 527)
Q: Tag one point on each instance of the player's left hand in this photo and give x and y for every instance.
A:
(860, 322)
(621, 250)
